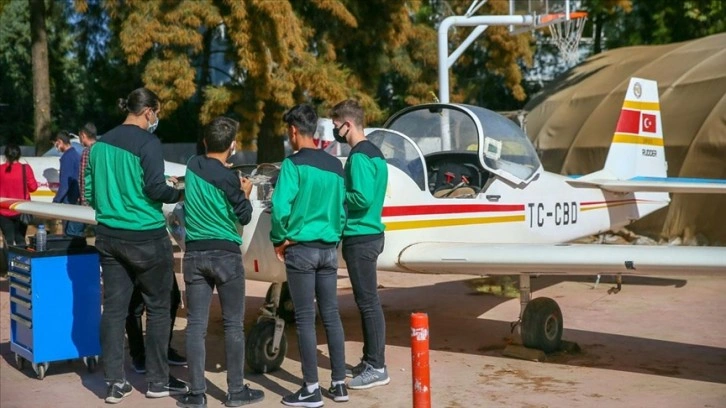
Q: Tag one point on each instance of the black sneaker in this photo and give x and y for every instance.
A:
(190, 400)
(355, 371)
(176, 359)
(303, 398)
(117, 391)
(139, 365)
(245, 397)
(338, 392)
(173, 387)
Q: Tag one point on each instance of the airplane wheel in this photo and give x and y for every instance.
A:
(259, 354)
(286, 310)
(542, 325)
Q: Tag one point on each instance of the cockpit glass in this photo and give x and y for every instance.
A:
(502, 146)
(438, 129)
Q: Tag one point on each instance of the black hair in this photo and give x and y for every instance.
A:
(89, 129)
(12, 154)
(138, 100)
(303, 117)
(63, 136)
(349, 110)
(220, 134)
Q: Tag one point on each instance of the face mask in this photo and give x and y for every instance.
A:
(233, 149)
(338, 137)
(152, 126)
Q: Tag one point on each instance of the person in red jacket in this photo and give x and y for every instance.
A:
(12, 186)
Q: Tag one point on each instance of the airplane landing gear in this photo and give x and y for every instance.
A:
(266, 343)
(286, 310)
(264, 352)
(540, 319)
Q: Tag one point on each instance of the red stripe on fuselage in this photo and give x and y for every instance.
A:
(448, 209)
(629, 122)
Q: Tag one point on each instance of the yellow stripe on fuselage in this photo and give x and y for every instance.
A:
(599, 207)
(635, 139)
(649, 106)
(450, 222)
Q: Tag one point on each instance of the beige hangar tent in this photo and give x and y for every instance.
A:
(572, 121)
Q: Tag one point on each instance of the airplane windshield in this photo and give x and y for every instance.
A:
(502, 147)
(435, 129)
(505, 146)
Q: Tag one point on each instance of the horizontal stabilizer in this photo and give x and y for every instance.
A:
(655, 184)
(564, 259)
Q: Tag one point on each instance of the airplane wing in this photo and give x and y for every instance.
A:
(655, 184)
(562, 259)
(69, 212)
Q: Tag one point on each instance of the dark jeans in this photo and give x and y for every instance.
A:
(362, 259)
(203, 270)
(312, 273)
(14, 232)
(148, 264)
(74, 229)
(134, 328)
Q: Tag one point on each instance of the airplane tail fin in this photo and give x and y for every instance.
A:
(637, 146)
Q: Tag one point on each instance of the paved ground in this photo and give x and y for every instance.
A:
(658, 343)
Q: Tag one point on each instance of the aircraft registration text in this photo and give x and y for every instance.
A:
(564, 213)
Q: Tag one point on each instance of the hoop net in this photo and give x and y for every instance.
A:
(566, 35)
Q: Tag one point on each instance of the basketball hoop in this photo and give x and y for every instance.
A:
(566, 33)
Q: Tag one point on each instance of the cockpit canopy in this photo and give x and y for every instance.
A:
(501, 146)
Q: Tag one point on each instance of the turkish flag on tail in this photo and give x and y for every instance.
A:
(649, 123)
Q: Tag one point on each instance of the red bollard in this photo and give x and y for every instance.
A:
(420, 360)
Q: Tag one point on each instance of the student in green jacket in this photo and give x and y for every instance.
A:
(366, 178)
(215, 201)
(307, 219)
(124, 183)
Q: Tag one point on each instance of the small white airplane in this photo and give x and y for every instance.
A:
(467, 194)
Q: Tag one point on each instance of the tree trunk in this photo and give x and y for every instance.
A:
(41, 79)
(270, 143)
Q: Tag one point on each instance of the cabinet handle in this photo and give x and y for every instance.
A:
(20, 265)
(20, 277)
(20, 288)
(21, 320)
(21, 302)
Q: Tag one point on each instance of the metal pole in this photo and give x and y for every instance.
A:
(420, 360)
(463, 21)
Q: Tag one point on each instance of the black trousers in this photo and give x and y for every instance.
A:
(134, 328)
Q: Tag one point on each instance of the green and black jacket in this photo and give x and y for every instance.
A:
(366, 180)
(213, 204)
(308, 201)
(125, 184)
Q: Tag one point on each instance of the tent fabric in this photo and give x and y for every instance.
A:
(572, 121)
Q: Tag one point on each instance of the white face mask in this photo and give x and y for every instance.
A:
(152, 126)
(233, 149)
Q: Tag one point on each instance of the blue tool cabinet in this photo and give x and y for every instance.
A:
(55, 306)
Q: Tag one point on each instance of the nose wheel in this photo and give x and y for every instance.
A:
(266, 343)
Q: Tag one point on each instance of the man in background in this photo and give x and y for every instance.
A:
(68, 189)
(87, 134)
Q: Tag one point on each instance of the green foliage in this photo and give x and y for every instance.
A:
(666, 21)
(253, 59)
(15, 65)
